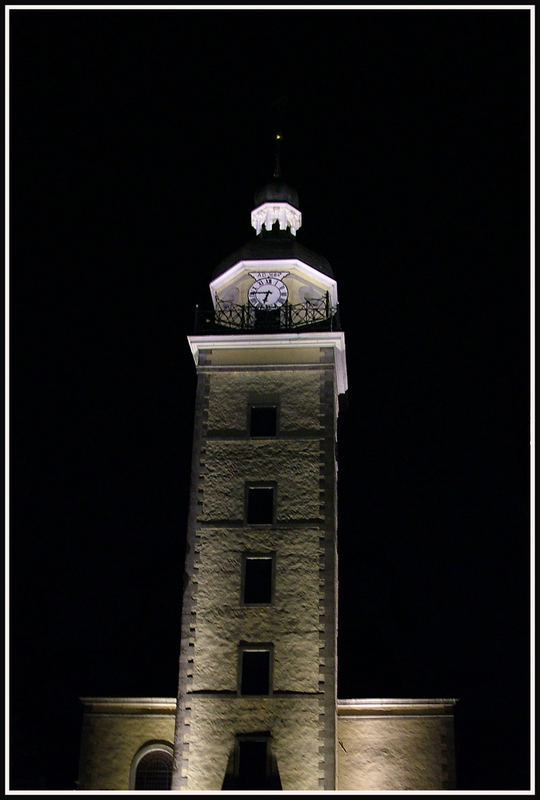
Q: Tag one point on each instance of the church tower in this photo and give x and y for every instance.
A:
(257, 706)
(257, 698)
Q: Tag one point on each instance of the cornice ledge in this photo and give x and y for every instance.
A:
(335, 339)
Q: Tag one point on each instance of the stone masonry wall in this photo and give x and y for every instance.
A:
(292, 720)
(396, 753)
(291, 622)
(110, 741)
(299, 712)
(300, 411)
(294, 465)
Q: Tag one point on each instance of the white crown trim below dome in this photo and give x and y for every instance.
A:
(268, 213)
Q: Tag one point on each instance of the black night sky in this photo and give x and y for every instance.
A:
(137, 141)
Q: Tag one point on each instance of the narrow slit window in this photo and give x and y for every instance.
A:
(257, 584)
(260, 505)
(255, 675)
(263, 421)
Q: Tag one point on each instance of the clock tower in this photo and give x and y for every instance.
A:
(256, 707)
(256, 704)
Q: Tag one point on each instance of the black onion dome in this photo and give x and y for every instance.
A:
(272, 245)
(277, 191)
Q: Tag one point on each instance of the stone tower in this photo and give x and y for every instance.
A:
(257, 705)
(257, 678)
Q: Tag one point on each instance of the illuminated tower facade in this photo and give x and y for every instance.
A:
(256, 704)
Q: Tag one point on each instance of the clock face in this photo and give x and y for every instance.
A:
(268, 293)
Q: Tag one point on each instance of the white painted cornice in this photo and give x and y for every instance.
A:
(335, 339)
(398, 702)
(157, 702)
(397, 708)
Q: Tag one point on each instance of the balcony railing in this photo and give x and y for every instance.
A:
(313, 314)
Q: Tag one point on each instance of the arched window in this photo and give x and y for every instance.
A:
(151, 768)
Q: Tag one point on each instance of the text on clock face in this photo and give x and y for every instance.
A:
(268, 293)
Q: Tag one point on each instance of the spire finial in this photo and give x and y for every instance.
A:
(278, 136)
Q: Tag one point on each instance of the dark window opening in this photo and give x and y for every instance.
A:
(263, 421)
(260, 505)
(257, 580)
(253, 764)
(154, 771)
(255, 672)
